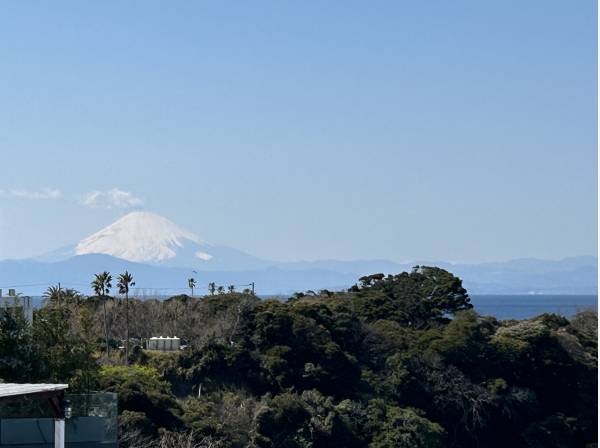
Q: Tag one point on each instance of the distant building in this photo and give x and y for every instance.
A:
(15, 301)
(164, 344)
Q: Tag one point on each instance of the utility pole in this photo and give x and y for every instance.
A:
(59, 294)
(252, 287)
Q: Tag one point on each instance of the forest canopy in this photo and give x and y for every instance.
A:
(394, 361)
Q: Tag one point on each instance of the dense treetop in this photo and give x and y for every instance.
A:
(395, 361)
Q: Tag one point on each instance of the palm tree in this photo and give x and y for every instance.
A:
(231, 289)
(52, 295)
(220, 290)
(72, 297)
(211, 288)
(55, 295)
(125, 281)
(191, 285)
(101, 286)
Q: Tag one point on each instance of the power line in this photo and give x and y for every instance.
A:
(138, 288)
(30, 284)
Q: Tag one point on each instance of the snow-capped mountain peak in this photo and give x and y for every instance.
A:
(145, 237)
(141, 237)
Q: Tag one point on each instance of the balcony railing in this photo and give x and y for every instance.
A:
(92, 424)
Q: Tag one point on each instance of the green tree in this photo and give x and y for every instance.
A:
(101, 286)
(52, 295)
(212, 287)
(124, 282)
(66, 346)
(57, 296)
(396, 427)
(231, 289)
(370, 280)
(425, 296)
(19, 355)
(465, 343)
(191, 285)
(281, 422)
(142, 389)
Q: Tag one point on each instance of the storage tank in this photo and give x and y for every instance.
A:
(164, 344)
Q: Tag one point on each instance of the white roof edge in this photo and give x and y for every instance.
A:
(16, 389)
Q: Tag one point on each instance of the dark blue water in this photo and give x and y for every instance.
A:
(526, 306)
(514, 306)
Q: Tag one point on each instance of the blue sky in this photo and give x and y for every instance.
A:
(462, 131)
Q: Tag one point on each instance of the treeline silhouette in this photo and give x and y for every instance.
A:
(394, 361)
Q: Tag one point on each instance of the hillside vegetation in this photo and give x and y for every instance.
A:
(395, 361)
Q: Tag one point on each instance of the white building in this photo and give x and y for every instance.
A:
(164, 344)
(12, 301)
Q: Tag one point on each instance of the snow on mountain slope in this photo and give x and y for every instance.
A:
(145, 237)
(141, 237)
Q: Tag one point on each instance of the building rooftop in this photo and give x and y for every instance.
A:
(9, 390)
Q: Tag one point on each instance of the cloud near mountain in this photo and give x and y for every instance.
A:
(113, 198)
(44, 193)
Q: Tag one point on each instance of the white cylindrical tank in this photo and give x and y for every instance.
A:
(164, 344)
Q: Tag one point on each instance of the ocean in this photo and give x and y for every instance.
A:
(531, 305)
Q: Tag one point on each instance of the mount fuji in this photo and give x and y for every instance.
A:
(144, 237)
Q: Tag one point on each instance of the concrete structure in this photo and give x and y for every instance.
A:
(54, 393)
(14, 301)
(80, 420)
(164, 344)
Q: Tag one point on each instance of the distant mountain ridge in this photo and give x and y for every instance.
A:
(163, 256)
(571, 276)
